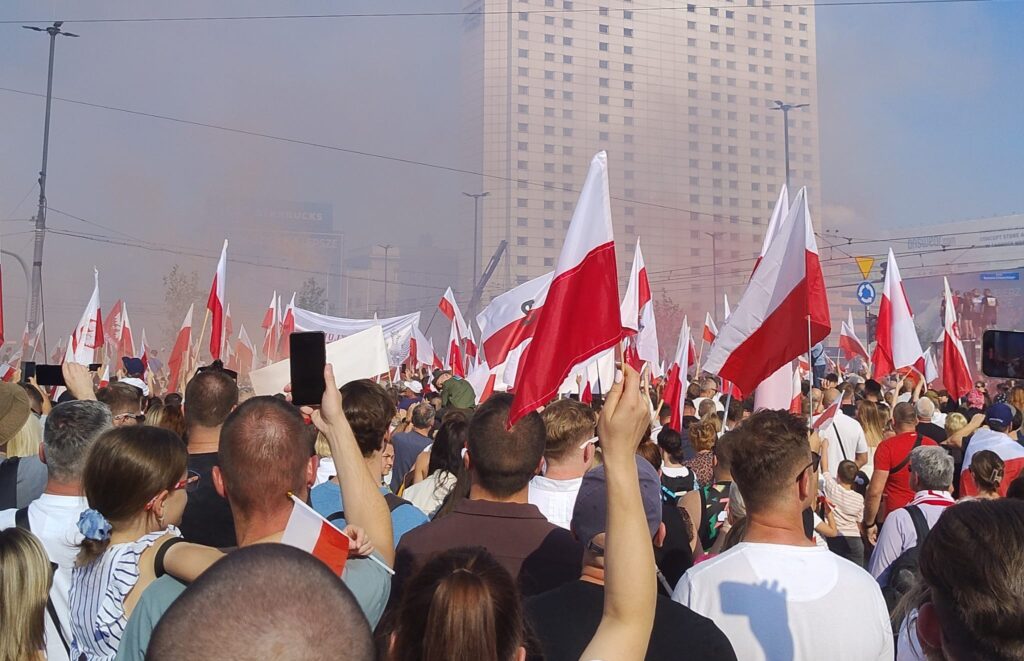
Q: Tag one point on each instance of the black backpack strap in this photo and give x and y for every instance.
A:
(9, 482)
(920, 523)
(21, 521)
(393, 501)
(840, 440)
(906, 460)
(158, 560)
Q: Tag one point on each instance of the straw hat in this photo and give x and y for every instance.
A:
(14, 410)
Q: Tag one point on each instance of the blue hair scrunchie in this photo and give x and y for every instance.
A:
(94, 526)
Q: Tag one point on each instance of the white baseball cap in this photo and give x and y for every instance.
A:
(414, 386)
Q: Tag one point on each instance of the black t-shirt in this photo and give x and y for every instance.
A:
(207, 518)
(564, 620)
(932, 431)
(674, 556)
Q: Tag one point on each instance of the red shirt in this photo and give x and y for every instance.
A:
(888, 455)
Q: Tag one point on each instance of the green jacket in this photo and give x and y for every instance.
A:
(457, 393)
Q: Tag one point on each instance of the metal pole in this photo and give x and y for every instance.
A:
(387, 248)
(785, 133)
(40, 229)
(714, 267)
(476, 238)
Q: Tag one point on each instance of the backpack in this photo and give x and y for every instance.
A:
(9, 483)
(903, 573)
(714, 503)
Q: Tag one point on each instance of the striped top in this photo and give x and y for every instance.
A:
(847, 506)
(98, 591)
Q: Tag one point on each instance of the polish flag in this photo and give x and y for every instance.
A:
(126, 345)
(581, 316)
(482, 378)
(849, 342)
(144, 349)
(450, 308)
(7, 372)
(776, 392)
(956, 373)
(229, 330)
(784, 302)
(511, 318)
(178, 362)
(421, 350)
(270, 324)
(778, 218)
(676, 381)
(88, 334)
(638, 314)
(287, 328)
(586, 394)
(710, 329)
(58, 356)
(824, 421)
(898, 345)
(1009, 450)
(315, 535)
(215, 304)
(245, 353)
(796, 394)
(112, 326)
(105, 377)
(453, 361)
(728, 310)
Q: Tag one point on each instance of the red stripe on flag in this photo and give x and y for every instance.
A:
(332, 547)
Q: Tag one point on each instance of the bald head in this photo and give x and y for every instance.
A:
(829, 397)
(267, 601)
(904, 417)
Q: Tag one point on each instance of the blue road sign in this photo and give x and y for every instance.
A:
(866, 293)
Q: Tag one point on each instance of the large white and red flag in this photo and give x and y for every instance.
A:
(450, 308)
(956, 373)
(421, 351)
(216, 303)
(270, 325)
(287, 328)
(581, 316)
(849, 343)
(126, 342)
(784, 302)
(897, 343)
(144, 352)
(245, 353)
(779, 214)
(112, 325)
(676, 379)
(638, 314)
(179, 359)
(229, 332)
(315, 535)
(88, 334)
(510, 319)
(710, 331)
(453, 360)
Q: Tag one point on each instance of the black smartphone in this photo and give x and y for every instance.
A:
(1002, 354)
(49, 375)
(95, 367)
(308, 359)
(28, 370)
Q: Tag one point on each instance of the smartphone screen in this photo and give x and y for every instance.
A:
(28, 370)
(308, 358)
(49, 375)
(1002, 354)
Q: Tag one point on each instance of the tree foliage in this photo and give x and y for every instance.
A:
(312, 296)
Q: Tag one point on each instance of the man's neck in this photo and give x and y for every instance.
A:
(776, 528)
(262, 528)
(477, 492)
(565, 471)
(908, 429)
(422, 431)
(203, 440)
(55, 487)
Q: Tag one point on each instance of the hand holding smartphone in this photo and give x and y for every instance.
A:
(308, 359)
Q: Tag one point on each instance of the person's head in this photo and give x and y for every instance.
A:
(846, 472)
(872, 391)
(25, 579)
(651, 453)
(707, 408)
(665, 415)
(830, 380)
(671, 443)
(423, 417)
(460, 606)
(451, 439)
(568, 425)
(25, 443)
(173, 420)
(999, 417)
(441, 378)
(925, 409)
(70, 430)
(735, 414)
(772, 464)
(503, 460)
(703, 435)
(972, 606)
(125, 402)
(14, 411)
(134, 476)
(590, 513)
(987, 469)
(369, 410)
(263, 601)
(35, 398)
(722, 459)
(173, 399)
(931, 469)
(829, 396)
(955, 422)
(708, 386)
(266, 451)
(387, 459)
(904, 418)
(209, 397)
(689, 410)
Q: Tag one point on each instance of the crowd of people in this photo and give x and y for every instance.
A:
(137, 526)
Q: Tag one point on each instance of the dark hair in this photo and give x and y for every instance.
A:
(262, 601)
(504, 460)
(767, 451)
(423, 416)
(125, 469)
(847, 471)
(69, 431)
(172, 399)
(209, 398)
(987, 470)
(461, 606)
(264, 450)
(1016, 488)
(369, 410)
(34, 396)
(173, 420)
(671, 442)
(904, 415)
(121, 398)
(567, 424)
(975, 588)
(649, 450)
(446, 453)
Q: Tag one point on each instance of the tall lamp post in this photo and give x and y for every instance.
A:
(35, 303)
(785, 108)
(476, 233)
(714, 266)
(387, 248)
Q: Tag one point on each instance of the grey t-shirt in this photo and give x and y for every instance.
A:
(31, 480)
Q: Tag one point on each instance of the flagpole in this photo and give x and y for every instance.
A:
(810, 369)
(202, 332)
(700, 354)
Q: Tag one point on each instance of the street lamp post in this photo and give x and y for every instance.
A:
(387, 248)
(785, 108)
(476, 233)
(40, 229)
(714, 266)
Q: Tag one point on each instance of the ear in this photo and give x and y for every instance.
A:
(541, 466)
(158, 503)
(659, 537)
(218, 483)
(804, 485)
(467, 461)
(588, 453)
(311, 468)
(929, 631)
(521, 654)
(42, 452)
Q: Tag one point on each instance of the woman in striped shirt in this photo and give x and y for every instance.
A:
(135, 480)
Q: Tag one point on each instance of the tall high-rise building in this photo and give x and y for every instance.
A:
(681, 99)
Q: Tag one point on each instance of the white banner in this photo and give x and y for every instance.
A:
(397, 330)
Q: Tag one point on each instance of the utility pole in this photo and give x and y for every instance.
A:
(785, 108)
(387, 248)
(476, 234)
(35, 309)
(714, 267)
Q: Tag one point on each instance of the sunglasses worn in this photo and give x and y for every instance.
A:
(815, 463)
(189, 483)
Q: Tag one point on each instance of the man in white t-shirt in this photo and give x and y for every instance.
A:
(569, 426)
(777, 595)
(845, 437)
(709, 390)
(70, 430)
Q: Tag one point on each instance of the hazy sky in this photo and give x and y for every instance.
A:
(919, 124)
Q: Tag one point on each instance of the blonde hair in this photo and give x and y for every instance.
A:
(872, 421)
(322, 447)
(955, 422)
(26, 442)
(25, 579)
(703, 434)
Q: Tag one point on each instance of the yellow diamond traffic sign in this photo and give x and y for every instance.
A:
(865, 264)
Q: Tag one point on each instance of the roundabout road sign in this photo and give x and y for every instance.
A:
(866, 293)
